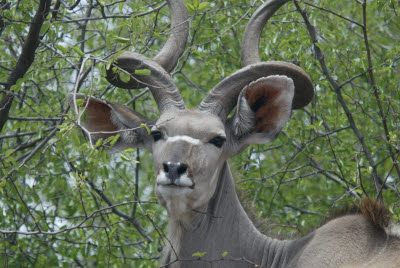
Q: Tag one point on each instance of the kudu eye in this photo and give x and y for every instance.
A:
(157, 135)
(217, 141)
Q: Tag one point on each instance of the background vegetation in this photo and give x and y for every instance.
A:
(63, 203)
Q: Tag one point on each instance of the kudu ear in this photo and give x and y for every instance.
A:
(264, 107)
(102, 119)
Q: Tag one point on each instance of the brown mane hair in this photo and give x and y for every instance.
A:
(376, 212)
(372, 209)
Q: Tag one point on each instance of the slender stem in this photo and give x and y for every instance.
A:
(25, 205)
(118, 212)
(376, 90)
(336, 14)
(78, 226)
(34, 118)
(320, 57)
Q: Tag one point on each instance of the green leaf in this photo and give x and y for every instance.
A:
(204, 5)
(104, 156)
(318, 45)
(63, 49)
(80, 102)
(115, 139)
(112, 231)
(92, 151)
(124, 77)
(98, 142)
(224, 254)
(146, 127)
(190, 6)
(128, 151)
(3, 183)
(121, 39)
(125, 158)
(9, 152)
(78, 51)
(108, 65)
(142, 72)
(7, 13)
(199, 254)
(45, 27)
(359, 191)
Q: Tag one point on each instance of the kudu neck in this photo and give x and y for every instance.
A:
(223, 226)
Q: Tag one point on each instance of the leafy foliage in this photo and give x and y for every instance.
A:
(65, 203)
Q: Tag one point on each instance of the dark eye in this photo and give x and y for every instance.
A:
(157, 135)
(217, 141)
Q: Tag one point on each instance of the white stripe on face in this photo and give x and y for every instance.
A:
(183, 180)
(184, 138)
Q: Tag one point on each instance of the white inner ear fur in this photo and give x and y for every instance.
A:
(244, 120)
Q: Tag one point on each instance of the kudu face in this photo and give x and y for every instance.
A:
(190, 147)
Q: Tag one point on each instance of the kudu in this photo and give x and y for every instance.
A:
(193, 180)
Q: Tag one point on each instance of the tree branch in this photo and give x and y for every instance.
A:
(25, 60)
(320, 57)
(376, 90)
(119, 212)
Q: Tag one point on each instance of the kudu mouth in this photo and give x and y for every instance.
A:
(175, 174)
(176, 185)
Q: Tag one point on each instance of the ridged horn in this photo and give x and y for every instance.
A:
(159, 81)
(223, 97)
(173, 49)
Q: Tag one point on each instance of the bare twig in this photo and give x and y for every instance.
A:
(118, 212)
(336, 14)
(304, 211)
(376, 90)
(320, 57)
(78, 226)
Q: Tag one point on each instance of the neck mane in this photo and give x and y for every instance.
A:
(223, 226)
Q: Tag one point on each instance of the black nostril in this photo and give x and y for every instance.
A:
(166, 167)
(174, 170)
(182, 167)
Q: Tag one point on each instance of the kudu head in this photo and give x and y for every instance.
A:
(190, 146)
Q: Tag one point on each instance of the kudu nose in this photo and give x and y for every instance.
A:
(174, 170)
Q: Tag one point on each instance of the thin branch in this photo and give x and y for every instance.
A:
(376, 90)
(78, 226)
(336, 14)
(127, 16)
(34, 118)
(303, 211)
(29, 133)
(118, 212)
(320, 57)
(26, 58)
(321, 170)
(25, 205)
